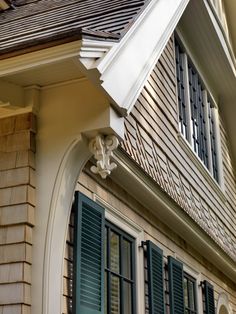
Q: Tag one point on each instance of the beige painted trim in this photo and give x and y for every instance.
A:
(16, 111)
(38, 58)
(72, 164)
(148, 193)
(68, 82)
(218, 24)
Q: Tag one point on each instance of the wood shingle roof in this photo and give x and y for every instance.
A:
(43, 22)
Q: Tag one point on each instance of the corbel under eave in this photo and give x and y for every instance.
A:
(102, 147)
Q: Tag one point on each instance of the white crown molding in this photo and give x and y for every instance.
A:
(129, 62)
(92, 52)
(38, 58)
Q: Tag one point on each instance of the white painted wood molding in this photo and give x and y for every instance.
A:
(124, 69)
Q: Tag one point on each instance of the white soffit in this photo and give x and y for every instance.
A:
(125, 68)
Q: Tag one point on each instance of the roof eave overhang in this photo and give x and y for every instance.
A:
(124, 69)
(121, 79)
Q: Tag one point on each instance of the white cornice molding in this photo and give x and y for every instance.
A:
(38, 58)
(124, 67)
(92, 52)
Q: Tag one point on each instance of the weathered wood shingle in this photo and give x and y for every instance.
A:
(34, 22)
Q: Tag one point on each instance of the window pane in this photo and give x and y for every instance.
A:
(115, 295)
(126, 259)
(198, 115)
(127, 298)
(185, 292)
(115, 252)
(213, 141)
(119, 276)
(181, 90)
(191, 295)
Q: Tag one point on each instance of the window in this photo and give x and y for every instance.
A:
(197, 113)
(190, 304)
(104, 263)
(119, 271)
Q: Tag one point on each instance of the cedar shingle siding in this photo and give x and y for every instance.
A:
(151, 139)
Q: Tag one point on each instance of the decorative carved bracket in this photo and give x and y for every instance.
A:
(102, 147)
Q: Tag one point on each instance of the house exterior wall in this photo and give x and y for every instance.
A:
(17, 203)
(62, 150)
(112, 195)
(154, 142)
(39, 280)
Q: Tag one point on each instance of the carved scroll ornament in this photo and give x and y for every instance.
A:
(102, 148)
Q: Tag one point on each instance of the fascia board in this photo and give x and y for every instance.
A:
(125, 67)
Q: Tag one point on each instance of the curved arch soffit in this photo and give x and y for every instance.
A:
(223, 306)
(72, 164)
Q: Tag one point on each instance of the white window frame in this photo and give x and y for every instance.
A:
(127, 225)
(187, 143)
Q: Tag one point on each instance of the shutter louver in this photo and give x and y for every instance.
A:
(175, 271)
(155, 279)
(209, 297)
(89, 265)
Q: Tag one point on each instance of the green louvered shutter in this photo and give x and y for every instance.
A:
(89, 260)
(209, 297)
(155, 279)
(176, 275)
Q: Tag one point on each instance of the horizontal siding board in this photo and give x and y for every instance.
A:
(160, 88)
(154, 121)
(184, 165)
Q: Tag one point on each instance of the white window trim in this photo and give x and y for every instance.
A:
(187, 144)
(130, 227)
(218, 189)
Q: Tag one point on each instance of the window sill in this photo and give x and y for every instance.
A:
(202, 168)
